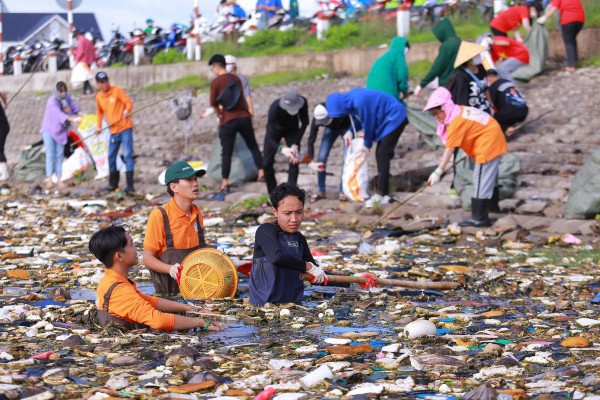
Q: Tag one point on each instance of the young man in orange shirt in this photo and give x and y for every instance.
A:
(118, 299)
(478, 135)
(175, 229)
(113, 102)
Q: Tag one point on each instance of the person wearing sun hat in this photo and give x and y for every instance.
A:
(175, 229)
(467, 84)
(480, 137)
(287, 119)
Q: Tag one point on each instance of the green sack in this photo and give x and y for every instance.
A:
(31, 165)
(584, 194)
(426, 125)
(507, 177)
(243, 168)
(537, 44)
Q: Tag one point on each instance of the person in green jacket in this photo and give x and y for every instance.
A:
(443, 66)
(389, 73)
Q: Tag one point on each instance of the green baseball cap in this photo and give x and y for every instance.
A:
(181, 170)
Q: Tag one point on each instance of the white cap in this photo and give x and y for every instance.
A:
(320, 112)
(229, 59)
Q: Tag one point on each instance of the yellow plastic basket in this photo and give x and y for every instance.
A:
(208, 274)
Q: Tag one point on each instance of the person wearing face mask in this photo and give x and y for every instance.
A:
(389, 73)
(468, 85)
(281, 252)
(287, 119)
(231, 67)
(60, 112)
(511, 19)
(480, 137)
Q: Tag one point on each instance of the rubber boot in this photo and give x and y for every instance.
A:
(113, 182)
(494, 206)
(129, 178)
(479, 213)
(4, 174)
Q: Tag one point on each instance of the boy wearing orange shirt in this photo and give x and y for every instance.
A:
(175, 229)
(118, 299)
(478, 135)
(113, 102)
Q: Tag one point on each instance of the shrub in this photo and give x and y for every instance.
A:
(262, 39)
(289, 38)
(169, 57)
(338, 37)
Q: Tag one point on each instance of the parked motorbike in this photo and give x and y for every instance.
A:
(112, 52)
(174, 39)
(136, 37)
(331, 10)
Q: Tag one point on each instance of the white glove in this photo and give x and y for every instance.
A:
(317, 166)
(347, 138)
(435, 177)
(175, 272)
(290, 154)
(487, 42)
(76, 120)
(542, 20)
(317, 274)
(207, 113)
(417, 91)
(294, 148)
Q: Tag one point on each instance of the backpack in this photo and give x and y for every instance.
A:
(230, 95)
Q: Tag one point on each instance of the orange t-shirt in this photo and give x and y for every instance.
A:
(183, 228)
(478, 134)
(131, 305)
(113, 103)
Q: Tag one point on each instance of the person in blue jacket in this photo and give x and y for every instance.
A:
(281, 252)
(383, 119)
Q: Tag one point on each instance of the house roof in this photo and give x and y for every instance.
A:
(18, 27)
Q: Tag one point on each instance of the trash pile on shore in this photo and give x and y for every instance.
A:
(524, 322)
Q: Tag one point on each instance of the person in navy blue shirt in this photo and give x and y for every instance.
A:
(281, 252)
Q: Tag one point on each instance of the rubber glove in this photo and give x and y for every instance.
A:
(317, 166)
(435, 177)
(347, 138)
(417, 91)
(291, 155)
(294, 148)
(175, 272)
(542, 20)
(317, 275)
(207, 113)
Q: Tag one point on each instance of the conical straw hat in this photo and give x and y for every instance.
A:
(466, 51)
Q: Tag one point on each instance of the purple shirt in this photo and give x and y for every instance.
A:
(55, 119)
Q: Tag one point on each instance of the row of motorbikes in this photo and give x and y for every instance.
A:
(120, 49)
(34, 56)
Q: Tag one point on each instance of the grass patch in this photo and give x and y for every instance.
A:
(571, 257)
(169, 57)
(593, 61)
(419, 69)
(281, 78)
(189, 81)
(118, 64)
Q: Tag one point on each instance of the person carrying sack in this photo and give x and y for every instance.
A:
(175, 229)
(227, 101)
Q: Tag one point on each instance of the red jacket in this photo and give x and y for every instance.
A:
(515, 49)
(85, 51)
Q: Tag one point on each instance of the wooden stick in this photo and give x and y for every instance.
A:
(210, 315)
(442, 285)
(128, 116)
(21, 88)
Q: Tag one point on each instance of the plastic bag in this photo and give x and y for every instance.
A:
(81, 73)
(78, 162)
(355, 172)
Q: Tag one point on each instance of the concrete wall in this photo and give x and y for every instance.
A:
(351, 61)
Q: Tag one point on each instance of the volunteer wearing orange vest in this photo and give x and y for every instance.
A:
(118, 299)
(175, 229)
(478, 135)
(113, 102)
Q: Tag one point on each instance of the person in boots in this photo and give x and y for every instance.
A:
(175, 229)
(480, 137)
(118, 299)
(281, 252)
(113, 103)
(287, 119)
